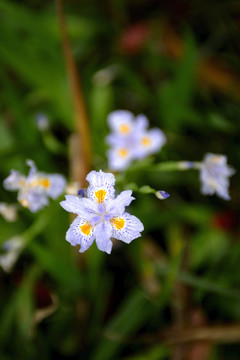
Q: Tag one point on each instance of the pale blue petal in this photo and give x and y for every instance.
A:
(129, 231)
(57, 185)
(149, 143)
(83, 207)
(141, 123)
(116, 140)
(33, 169)
(118, 118)
(100, 181)
(116, 161)
(75, 236)
(103, 233)
(32, 199)
(214, 175)
(117, 206)
(14, 181)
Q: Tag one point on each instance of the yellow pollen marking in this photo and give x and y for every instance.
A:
(100, 196)
(22, 182)
(213, 183)
(24, 203)
(216, 159)
(45, 182)
(118, 222)
(122, 152)
(86, 228)
(124, 129)
(146, 141)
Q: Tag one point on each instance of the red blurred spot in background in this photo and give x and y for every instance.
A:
(134, 37)
(225, 220)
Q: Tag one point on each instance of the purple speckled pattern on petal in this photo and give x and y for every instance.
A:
(101, 220)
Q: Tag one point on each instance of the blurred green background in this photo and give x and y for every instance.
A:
(178, 63)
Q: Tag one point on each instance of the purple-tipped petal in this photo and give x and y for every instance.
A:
(101, 186)
(162, 195)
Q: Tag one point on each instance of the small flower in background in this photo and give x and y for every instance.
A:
(12, 248)
(130, 139)
(8, 211)
(100, 215)
(162, 195)
(214, 174)
(34, 190)
(42, 122)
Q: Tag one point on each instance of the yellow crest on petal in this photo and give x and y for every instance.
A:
(24, 203)
(122, 152)
(118, 222)
(146, 141)
(45, 182)
(216, 158)
(100, 195)
(86, 228)
(124, 129)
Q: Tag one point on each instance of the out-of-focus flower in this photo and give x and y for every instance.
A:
(42, 122)
(162, 195)
(8, 211)
(12, 248)
(130, 139)
(214, 174)
(34, 190)
(100, 215)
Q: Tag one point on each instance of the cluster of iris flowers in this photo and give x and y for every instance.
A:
(100, 215)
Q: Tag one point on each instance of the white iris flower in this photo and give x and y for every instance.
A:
(100, 215)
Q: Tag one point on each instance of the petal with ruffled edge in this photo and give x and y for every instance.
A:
(210, 186)
(117, 206)
(214, 175)
(14, 181)
(119, 158)
(101, 186)
(121, 122)
(126, 227)
(150, 142)
(81, 206)
(81, 233)
(103, 233)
